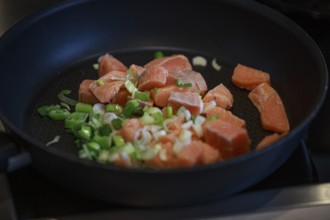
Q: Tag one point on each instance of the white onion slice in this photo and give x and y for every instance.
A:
(199, 61)
(215, 65)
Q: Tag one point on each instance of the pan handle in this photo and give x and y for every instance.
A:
(11, 156)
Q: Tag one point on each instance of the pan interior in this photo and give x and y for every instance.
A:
(45, 129)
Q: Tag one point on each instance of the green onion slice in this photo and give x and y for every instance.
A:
(180, 83)
(62, 97)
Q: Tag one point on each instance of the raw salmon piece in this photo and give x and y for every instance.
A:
(123, 161)
(190, 100)
(229, 139)
(245, 77)
(192, 154)
(221, 95)
(268, 140)
(113, 75)
(121, 97)
(110, 85)
(165, 161)
(109, 63)
(188, 156)
(160, 95)
(226, 116)
(174, 125)
(171, 63)
(105, 93)
(272, 112)
(129, 127)
(153, 77)
(188, 76)
(85, 94)
(136, 69)
(209, 154)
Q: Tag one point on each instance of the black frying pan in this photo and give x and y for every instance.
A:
(54, 49)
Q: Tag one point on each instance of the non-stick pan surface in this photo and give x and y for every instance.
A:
(56, 48)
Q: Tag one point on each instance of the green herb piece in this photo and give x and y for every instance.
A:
(169, 111)
(180, 83)
(118, 140)
(62, 97)
(144, 96)
(113, 108)
(44, 110)
(130, 107)
(84, 107)
(99, 82)
(58, 114)
(117, 123)
(158, 54)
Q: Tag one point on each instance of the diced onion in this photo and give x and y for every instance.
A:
(198, 130)
(199, 119)
(163, 155)
(55, 140)
(209, 105)
(187, 125)
(65, 105)
(215, 65)
(108, 117)
(96, 66)
(199, 61)
(98, 108)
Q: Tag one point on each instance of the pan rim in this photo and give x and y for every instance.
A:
(255, 7)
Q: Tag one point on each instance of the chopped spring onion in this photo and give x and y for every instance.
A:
(62, 97)
(44, 110)
(187, 125)
(65, 106)
(209, 105)
(144, 96)
(108, 117)
(55, 140)
(58, 114)
(130, 108)
(158, 54)
(117, 123)
(85, 132)
(104, 130)
(118, 140)
(169, 111)
(215, 65)
(99, 82)
(98, 108)
(182, 111)
(158, 117)
(96, 66)
(198, 130)
(94, 147)
(199, 61)
(128, 148)
(199, 119)
(74, 119)
(131, 76)
(185, 136)
(113, 108)
(83, 107)
(163, 155)
(130, 86)
(103, 156)
(180, 83)
(147, 119)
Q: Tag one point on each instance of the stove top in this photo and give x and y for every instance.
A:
(301, 181)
